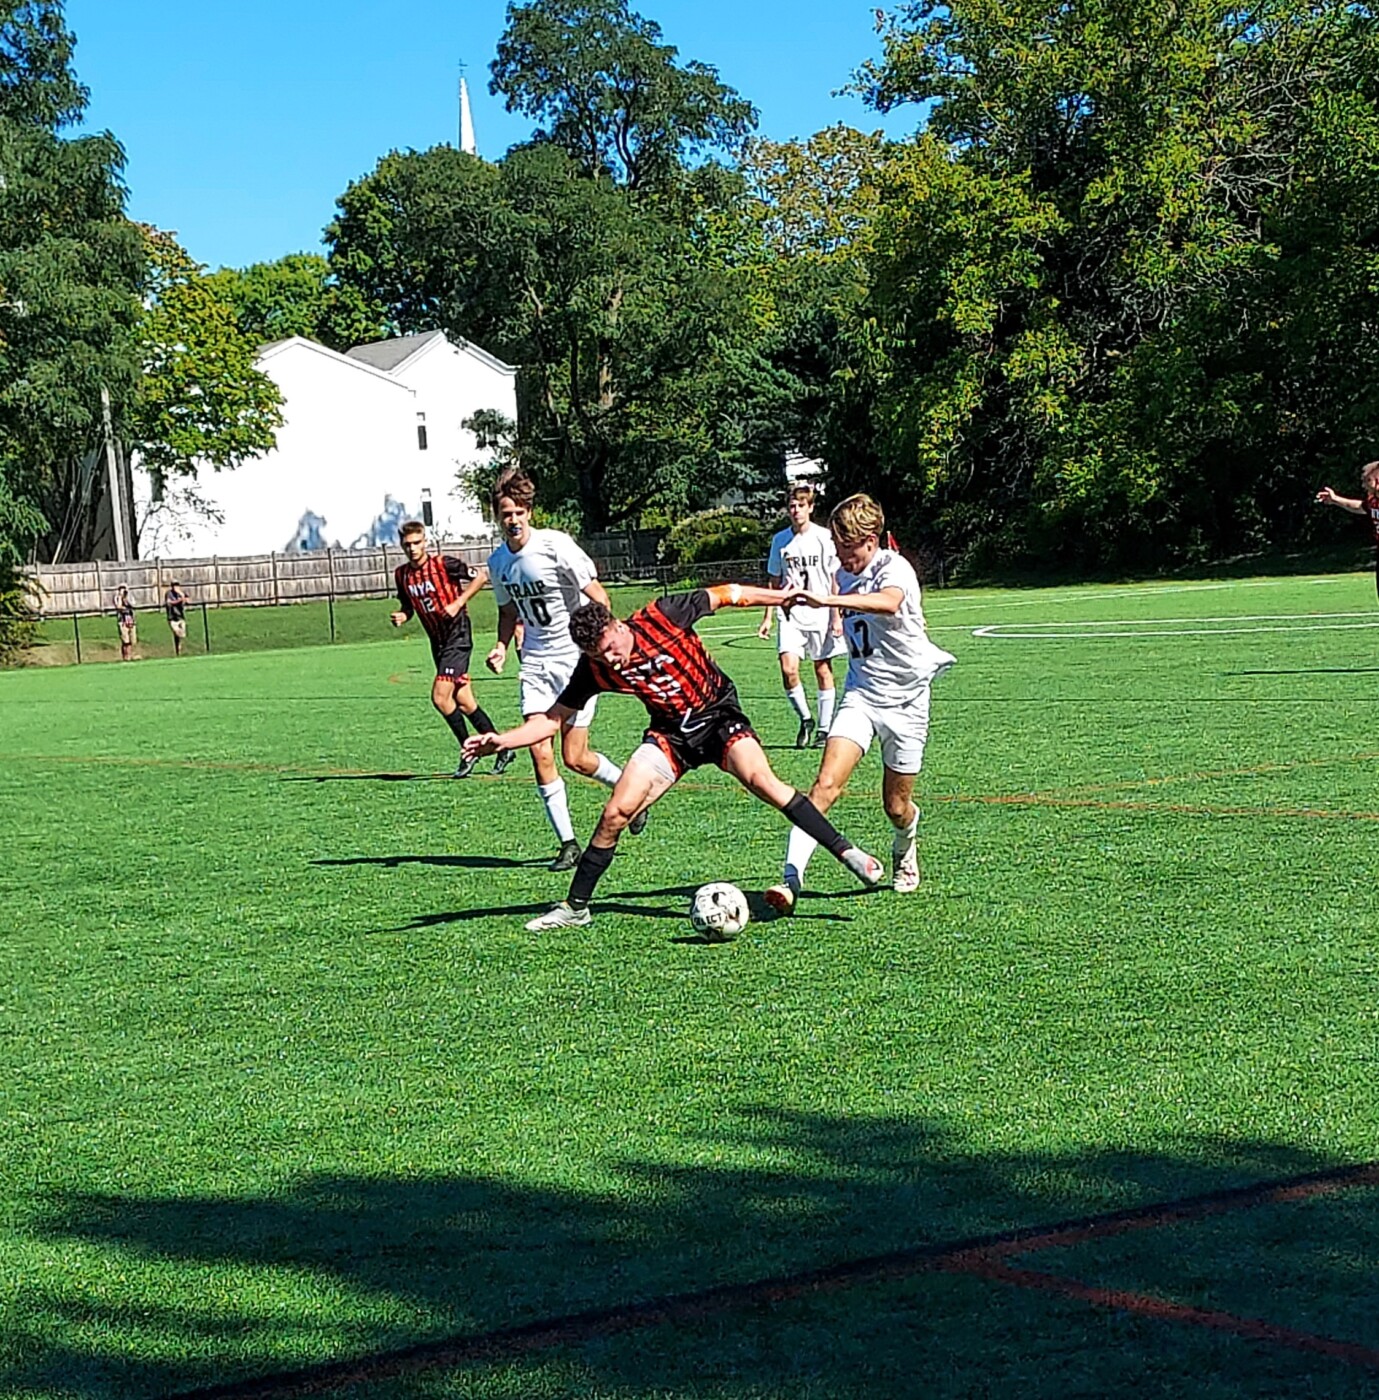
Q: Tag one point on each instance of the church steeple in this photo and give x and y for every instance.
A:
(467, 142)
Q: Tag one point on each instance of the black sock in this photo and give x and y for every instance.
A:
(589, 871)
(455, 719)
(812, 822)
(478, 717)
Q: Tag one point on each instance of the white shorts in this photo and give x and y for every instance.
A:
(902, 729)
(542, 683)
(818, 643)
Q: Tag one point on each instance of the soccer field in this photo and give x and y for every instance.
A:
(287, 1085)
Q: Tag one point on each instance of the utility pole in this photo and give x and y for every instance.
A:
(115, 483)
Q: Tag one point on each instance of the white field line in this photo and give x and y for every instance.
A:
(1094, 630)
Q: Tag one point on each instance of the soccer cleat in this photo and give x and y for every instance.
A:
(501, 760)
(806, 733)
(466, 767)
(821, 739)
(561, 916)
(867, 868)
(638, 823)
(782, 897)
(567, 857)
(906, 862)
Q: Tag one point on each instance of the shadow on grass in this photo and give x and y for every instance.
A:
(782, 1254)
(1313, 671)
(367, 778)
(465, 862)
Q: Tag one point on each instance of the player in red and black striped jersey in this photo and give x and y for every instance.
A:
(436, 588)
(695, 719)
(1367, 505)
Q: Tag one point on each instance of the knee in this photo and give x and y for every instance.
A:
(825, 792)
(612, 823)
(898, 809)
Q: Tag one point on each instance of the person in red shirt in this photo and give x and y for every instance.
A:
(1367, 505)
(436, 588)
(695, 719)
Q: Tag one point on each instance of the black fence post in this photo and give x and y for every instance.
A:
(76, 635)
(206, 628)
(330, 608)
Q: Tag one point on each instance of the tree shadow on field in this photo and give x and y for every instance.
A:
(812, 1255)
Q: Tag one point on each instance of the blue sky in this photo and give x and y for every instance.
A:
(243, 123)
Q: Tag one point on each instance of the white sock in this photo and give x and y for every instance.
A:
(796, 698)
(826, 698)
(557, 809)
(798, 849)
(905, 835)
(607, 772)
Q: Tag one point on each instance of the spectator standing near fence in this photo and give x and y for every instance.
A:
(125, 620)
(175, 605)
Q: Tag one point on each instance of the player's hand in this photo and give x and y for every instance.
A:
(495, 659)
(804, 599)
(477, 745)
(764, 630)
(1327, 497)
(397, 618)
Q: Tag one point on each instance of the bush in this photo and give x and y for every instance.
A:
(18, 618)
(713, 536)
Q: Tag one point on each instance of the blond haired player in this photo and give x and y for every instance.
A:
(891, 665)
(803, 560)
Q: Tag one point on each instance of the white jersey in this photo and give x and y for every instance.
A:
(892, 659)
(545, 581)
(806, 561)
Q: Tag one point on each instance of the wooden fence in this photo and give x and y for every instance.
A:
(270, 579)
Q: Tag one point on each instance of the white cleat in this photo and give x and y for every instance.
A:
(782, 897)
(867, 868)
(561, 916)
(906, 861)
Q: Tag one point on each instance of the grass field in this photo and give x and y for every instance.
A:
(286, 1084)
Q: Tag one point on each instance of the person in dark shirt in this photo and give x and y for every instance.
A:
(436, 588)
(126, 622)
(694, 719)
(175, 605)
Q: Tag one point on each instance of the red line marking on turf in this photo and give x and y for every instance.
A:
(978, 1257)
(1166, 1310)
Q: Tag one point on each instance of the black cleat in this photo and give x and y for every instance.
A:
(467, 766)
(638, 823)
(502, 760)
(821, 739)
(567, 857)
(806, 733)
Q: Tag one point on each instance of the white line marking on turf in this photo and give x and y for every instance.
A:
(1298, 622)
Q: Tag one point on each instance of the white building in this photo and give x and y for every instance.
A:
(369, 438)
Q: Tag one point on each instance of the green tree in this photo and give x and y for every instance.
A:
(200, 402)
(70, 273)
(296, 295)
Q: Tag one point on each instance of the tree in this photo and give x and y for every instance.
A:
(70, 271)
(296, 295)
(595, 76)
(200, 402)
(1117, 281)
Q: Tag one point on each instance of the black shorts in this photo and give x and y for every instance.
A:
(452, 656)
(710, 736)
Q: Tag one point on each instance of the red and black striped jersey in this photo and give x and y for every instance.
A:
(1372, 510)
(669, 671)
(428, 588)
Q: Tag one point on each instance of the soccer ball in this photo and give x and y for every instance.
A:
(719, 911)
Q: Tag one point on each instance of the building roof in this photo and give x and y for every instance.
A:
(389, 355)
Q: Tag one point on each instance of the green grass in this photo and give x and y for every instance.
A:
(286, 1081)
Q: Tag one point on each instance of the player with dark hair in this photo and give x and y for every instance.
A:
(695, 719)
(437, 588)
(539, 578)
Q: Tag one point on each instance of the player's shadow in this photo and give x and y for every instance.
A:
(1314, 671)
(366, 778)
(464, 862)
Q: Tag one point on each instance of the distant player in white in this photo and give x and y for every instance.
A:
(803, 560)
(539, 578)
(892, 663)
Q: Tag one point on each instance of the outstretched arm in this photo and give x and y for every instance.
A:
(884, 600)
(530, 731)
(744, 595)
(1327, 497)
